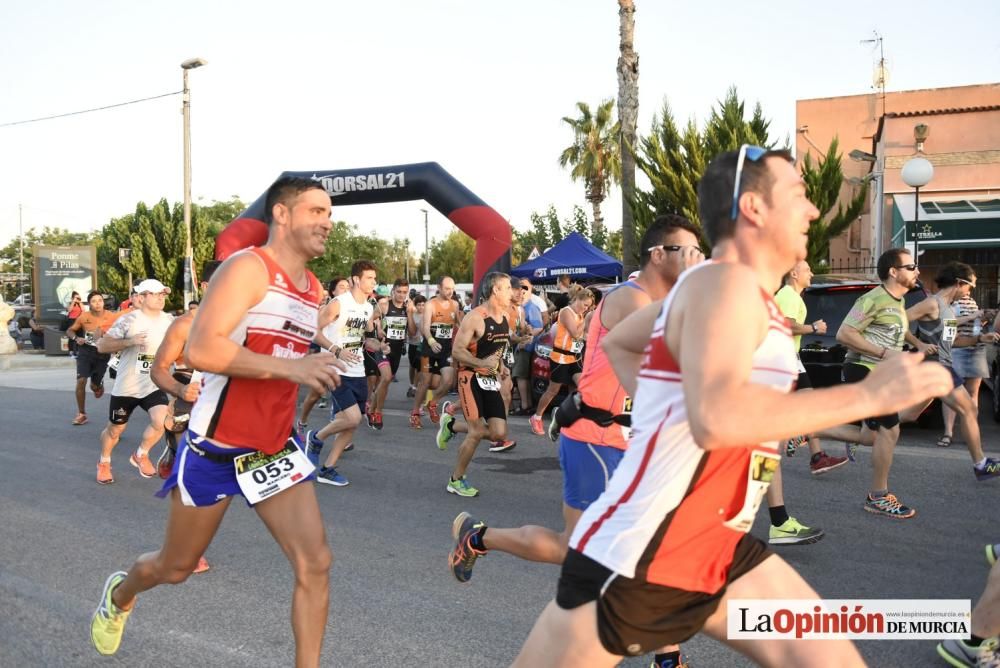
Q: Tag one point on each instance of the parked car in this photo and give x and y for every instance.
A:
(829, 298)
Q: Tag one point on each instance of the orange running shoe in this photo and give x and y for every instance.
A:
(81, 418)
(535, 422)
(415, 420)
(432, 410)
(141, 462)
(202, 566)
(104, 476)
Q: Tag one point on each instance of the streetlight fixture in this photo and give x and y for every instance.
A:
(189, 64)
(917, 173)
(427, 258)
(874, 175)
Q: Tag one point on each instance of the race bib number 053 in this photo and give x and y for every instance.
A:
(261, 476)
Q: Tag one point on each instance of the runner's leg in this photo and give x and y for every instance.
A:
(81, 395)
(307, 406)
(477, 431)
(294, 519)
(109, 438)
(565, 639)
(885, 443)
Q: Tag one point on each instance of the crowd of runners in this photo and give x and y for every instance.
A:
(667, 448)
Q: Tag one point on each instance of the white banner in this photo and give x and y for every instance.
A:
(857, 619)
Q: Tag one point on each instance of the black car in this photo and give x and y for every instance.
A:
(829, 298)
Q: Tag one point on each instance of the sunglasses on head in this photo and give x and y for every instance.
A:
(753, 153)
(969, 283)
(908, 267)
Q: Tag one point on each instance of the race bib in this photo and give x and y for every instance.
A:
(626, 410)
(145, 362)
(488, 383)
(576, 346)
(261, 476)
(949, 330)
(761, 470)
(801, 367)
(395, 328)
(115, 361)
(89, 339)
(441, 331)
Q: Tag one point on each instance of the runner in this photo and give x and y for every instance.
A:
(398, 326)
(566, 362)
(342, 332)
(519, 334)
(524, 353)
(937, 325)
(654, 560)
(136, 335)
(441, 315)
(789, 300)
(982, 649)
(377, 371)
(85, 331)
(337, 287)
(171, 374)
(589, 452)
(413, 342)
(479, 345)
(250, 338)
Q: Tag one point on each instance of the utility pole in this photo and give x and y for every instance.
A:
(20, 233)
(427, 258)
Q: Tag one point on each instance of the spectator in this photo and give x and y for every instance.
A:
(37, 334)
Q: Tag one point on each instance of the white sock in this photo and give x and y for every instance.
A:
(981, 463)
(140, 452)
(105, 460)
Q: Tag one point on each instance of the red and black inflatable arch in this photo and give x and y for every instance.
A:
(397, 183)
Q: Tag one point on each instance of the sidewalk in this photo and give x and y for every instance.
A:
(34, 360)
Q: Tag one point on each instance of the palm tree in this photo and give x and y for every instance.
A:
(594, 156)
(628, 112)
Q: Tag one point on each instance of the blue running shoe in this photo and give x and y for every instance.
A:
(989, 469)
(463, 556)
(313, 447)
(888, 506)
(328, 476)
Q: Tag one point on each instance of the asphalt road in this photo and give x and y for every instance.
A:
(393, 600)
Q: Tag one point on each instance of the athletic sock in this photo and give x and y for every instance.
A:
(878, 493)
(778, 515)
(668, 660)
(981, 463)
(476, 540)
(105, 460)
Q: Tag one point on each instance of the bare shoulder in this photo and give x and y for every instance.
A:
(621, 303)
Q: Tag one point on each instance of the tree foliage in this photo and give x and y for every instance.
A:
(594, 156)
(674, 160)
(823, 183)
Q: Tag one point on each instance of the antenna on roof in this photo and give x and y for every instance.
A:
(880, 76)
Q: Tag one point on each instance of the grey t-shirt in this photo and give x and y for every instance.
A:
(941, 331)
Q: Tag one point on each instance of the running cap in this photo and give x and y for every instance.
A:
(151, 285)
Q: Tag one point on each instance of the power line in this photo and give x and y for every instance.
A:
(87, 111)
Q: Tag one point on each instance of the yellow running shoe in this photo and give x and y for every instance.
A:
(108, 623)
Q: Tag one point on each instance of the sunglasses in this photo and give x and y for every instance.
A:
(672, 249)
(753, 153)
(969, 283)
(908, 267)
(526, 288)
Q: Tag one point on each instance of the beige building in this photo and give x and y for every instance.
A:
(959, 213)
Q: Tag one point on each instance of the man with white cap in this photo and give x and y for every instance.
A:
(137, 336)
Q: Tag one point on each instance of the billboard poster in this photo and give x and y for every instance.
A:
(60, 271)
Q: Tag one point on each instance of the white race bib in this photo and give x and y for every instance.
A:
(261, 476)
(115, 361)
(395, 328)
(576, 346)
(626, 410)
(488, 383)
(801, 367)
(144, 362)
(949, 330)
(441, 331)
(760, 472)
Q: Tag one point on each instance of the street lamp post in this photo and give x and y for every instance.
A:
(917, 173)
(189, 64)
(427, 258)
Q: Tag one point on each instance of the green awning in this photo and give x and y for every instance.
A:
(946, 223)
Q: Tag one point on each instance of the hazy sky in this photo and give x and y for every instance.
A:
(478, 87)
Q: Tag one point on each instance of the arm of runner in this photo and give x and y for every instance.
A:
(114, 340)
(725, 409)
(624, 345)
(928, 309)
(572, 325)
(239, 284)
(425, 327)
(327, 315)
(170, 350)
(472, 327)
(411, 324)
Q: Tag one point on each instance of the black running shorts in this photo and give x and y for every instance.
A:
(120, 409)
(855, 373)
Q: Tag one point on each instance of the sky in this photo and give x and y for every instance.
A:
(478, 87)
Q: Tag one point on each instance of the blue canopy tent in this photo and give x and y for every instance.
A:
(574, 255)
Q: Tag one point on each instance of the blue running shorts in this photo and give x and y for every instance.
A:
(202, 481)
(352, 391)
(586, 468)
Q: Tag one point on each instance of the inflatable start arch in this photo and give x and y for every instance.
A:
(397, 183)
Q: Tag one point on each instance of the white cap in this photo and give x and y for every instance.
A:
(634, 275)
(151, 285)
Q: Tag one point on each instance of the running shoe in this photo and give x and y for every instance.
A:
(463, 556)
(825, 463)
(991, 554)
(444, 431)
(301, 428)
(665, 664)
(461, 487)
(322, 403)
(990, 469)
(378, 421)
(792, 444)
(412, 392)
(447, 407)
(165, 462)
(98, 390)
(792, 532)
(554, 426)
(328, 476)
(349, 447)
(958, 653)
(889, 506)
(313, 447)
(108, 623)
(851, 449)
(432, 410)
(502, 446)
(81, 418)
(535, 422)
(202, 566)
(104, 476)
(415, 420)
(141, 462)
(371, 419)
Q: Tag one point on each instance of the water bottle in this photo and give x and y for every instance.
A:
(977, 327)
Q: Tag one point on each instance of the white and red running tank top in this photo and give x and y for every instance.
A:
(673, 513)
(252, 412)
